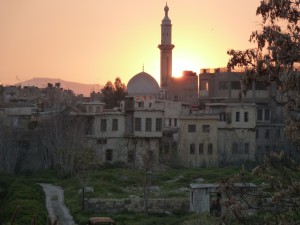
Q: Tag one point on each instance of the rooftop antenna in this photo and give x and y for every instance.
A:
(143, 67)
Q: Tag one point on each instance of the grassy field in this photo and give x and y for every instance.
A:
(121, 182)
(112, 183)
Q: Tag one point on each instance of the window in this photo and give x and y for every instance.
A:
(108, 155)
(267, 149)
(137, 124)
(158, 124)
(191, 128)
(246, 116)
(115, 125)
(210, 149)
(175, 122)
(103, 124)
(205, 128)
(90, 109)
(130, 157)
(257, 134)
(170, 122)
(102, 141)
(204, 85)
(267, 134)
(98, 109)
(223, 85)
(267, 114)
(235, 148)
(246, 148)
(237, 116)
(222, 116)
(260, 85)
(235, 85)
(259, 115)
(278, 133)
(148, 124)
(192, 149)
(201, 149)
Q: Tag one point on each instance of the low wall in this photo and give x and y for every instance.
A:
(136, 205)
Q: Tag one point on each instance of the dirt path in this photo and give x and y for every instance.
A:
(55, 204)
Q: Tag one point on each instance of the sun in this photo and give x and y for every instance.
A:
(181, 64)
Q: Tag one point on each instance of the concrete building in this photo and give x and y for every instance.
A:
(197, 141)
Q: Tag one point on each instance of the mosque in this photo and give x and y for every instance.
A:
(183, 89)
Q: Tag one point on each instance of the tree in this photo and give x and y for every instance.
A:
(275, 58)
(113, 93)
(62, 137)
(274, 61)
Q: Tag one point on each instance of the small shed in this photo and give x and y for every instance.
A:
(207, 197)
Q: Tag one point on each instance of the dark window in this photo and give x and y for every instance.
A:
(102, 141)
(175, 122)
(246, 116)
(235, 148)
(267, 114)
(201, 148)
(237, 116)
(278, 133)
(138, 124)
(158, 124)
(103, 124)
(192, 149)
(205, 128)
(223, 85)
(267, 134)
(235, 85)
(148, 124)
(170, 122)
(191, 128)
(267, 149)
(210, 149)
(259, 85)
(246, 148)
(130, 157)
(259, 114)
(114, 124)
(108, 155)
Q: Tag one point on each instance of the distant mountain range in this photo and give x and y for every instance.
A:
(77, 88)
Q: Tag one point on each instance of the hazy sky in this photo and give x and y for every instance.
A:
(93, 41)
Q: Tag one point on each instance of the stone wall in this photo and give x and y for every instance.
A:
(136, 205)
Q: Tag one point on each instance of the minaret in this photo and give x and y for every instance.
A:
(166, 47)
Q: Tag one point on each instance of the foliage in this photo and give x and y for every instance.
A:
(113, 93)
(275, 58)
(274, 61)
(19, 191)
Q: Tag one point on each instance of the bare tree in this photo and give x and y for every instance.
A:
(9, 148)
(63, 137)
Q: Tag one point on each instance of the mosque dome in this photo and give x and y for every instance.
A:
(142, 84)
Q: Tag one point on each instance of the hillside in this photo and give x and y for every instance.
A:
(78, 88)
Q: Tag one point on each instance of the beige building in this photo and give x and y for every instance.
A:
(197, 142)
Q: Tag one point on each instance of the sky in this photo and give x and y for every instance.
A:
(95, 41)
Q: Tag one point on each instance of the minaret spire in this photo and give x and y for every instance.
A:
(166, 47)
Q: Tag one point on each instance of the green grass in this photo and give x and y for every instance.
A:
(19, 191)
(107, 182)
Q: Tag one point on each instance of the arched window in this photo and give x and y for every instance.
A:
(192, 149)
(109, 155)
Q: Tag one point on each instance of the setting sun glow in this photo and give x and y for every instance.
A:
(95, 41)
